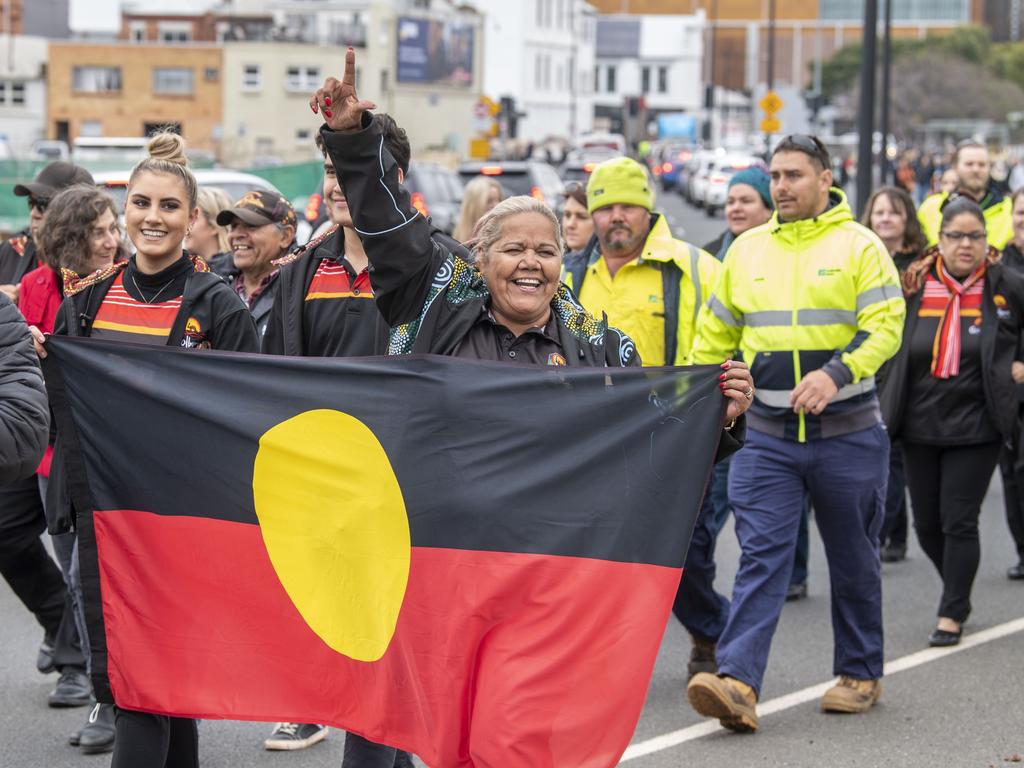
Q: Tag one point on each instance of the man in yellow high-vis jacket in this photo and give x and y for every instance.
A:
(652, 286)
(812, 301)
(973, 168)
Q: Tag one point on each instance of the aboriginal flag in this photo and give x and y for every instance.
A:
(471, 561)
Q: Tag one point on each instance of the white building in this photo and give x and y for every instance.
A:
(23, 91)
(541, 53)
(656, 58)
(422, 66)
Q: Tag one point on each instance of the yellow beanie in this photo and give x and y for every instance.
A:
(619, 180)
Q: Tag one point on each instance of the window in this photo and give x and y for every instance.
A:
(538, 71)
(211, 74)
(96, 79)
(645, 79)
(18, 94)
(662, 79)
(302, 79)
(540, 13)
(303, 137)
(174, 32)
(902, 10)
(137, 31)
(251, 79)
(611, 79)
(90, 129)
(597, 78)
(173, 80)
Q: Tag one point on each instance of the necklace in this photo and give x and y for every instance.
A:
(156, 295)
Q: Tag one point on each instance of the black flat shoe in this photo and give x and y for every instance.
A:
(943, 638)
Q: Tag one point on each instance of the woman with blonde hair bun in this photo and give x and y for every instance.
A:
(480, 195)
(161, 296)
(206, 238)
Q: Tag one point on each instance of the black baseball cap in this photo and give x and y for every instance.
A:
(257, 208)
(52, 179)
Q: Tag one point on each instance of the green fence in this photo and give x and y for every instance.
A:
(294, 181)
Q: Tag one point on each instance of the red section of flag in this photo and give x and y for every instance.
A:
(550, 655)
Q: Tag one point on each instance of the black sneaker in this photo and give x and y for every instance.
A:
(288, 736)
(73, 690)
(893, 553)
(97, 736)
(44, 659)
(797, 591)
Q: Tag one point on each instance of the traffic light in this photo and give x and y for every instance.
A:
(511, 115)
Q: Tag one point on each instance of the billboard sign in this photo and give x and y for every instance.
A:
(435, 51)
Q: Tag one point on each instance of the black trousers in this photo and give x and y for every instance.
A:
(24, 562)
(947, 485)
(154, 741)
(361, 753)
(894, 529)
(1013, 498)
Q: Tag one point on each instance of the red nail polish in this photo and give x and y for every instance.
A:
(724, 365)
(327, 100)
(722, 377)
(327, 113)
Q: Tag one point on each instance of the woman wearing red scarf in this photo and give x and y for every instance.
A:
(950, 397)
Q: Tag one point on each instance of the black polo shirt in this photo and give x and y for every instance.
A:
(489, 340)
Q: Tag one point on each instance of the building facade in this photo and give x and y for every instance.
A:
(646, 66)
(806, 32)
(541, 54)
(133, 89)
(23, 62)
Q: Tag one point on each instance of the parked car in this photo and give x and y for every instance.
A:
(716, 188)
(578, 165)
(518, 177)
(697, 175)
(435, 191)
(234, 183)
(670, 159)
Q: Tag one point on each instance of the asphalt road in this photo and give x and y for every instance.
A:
(959, 710)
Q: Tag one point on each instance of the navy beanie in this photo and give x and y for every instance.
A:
(758, 179)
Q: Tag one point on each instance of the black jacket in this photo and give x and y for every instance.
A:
(221, 316)
(24, 414)
(1001, 326)
(430, 296)
(17, 258)
(260, 309)
(217, 319)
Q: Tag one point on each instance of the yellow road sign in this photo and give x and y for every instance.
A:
(771, 125)
(479, 149)
(770, 103)
(492, 106)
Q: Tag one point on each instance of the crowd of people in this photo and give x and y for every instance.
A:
(886, 354)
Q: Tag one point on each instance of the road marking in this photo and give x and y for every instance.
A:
(790, 700)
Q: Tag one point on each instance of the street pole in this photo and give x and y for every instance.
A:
(710, 99)
(771, 64)
(866, 122)
(573, 74)
(886, 164)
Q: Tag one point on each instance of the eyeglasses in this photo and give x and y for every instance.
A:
(807, 144)
(35, 202)
(956, 237)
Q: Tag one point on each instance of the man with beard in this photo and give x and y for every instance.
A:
(973, 168)
(652, 286)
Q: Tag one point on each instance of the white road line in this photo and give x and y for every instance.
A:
(790, 700)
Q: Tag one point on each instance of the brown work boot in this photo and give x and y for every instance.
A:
(851, 695)
(702, 656)
(730, 700)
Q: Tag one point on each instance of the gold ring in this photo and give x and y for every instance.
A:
(749, 394)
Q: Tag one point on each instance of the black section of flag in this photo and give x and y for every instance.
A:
(489, 456)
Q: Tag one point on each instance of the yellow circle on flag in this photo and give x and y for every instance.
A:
(334, 523)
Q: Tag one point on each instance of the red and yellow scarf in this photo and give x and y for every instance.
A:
(961, 298)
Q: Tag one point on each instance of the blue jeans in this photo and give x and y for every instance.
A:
(845, 477)
(698, 606)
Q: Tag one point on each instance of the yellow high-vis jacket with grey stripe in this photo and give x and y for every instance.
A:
(799, 296)
(633, 299)
(998, 212)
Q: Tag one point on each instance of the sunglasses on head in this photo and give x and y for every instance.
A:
(35, 202)
(808, 144)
